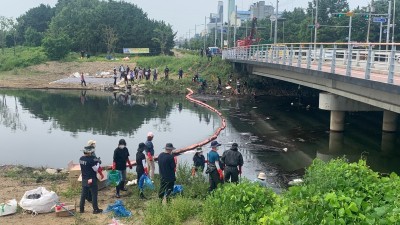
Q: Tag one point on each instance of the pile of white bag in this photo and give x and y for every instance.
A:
(43, 204)
(8, 208)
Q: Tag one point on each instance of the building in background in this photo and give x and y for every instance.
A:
(215, 19)
(244, 15)
(261, 10)
(231, 10)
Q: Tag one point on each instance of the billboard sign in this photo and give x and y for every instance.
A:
(136, 50)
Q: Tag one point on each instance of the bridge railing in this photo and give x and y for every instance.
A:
(372, 61)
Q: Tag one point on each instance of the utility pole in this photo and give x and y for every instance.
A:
(276, 23)
(234, 29)
(394, 20)
(350, 20)
(222, 33)
(215, 35)
(315, 25)
(205, 33)
(370, 10)
(388, 23)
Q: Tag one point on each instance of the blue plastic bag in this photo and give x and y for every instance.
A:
(178, 189)
(118, 209)
(145, 182)
(114, 177)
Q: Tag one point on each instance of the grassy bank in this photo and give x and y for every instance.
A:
(24, 57)
(352, 194)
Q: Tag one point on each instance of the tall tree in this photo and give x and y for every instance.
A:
(37, 21)
(164, 36)
(110, 38)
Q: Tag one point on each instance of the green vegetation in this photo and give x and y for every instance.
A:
(191, 64)
(92, 26)
(336, 192)
(25, 56)
(26, 174)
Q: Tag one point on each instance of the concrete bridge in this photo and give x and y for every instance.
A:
(352, 78)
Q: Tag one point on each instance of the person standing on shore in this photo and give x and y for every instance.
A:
(120, 158)
(233, 161)
(167, 165)
(150, 154)
(213, 169)
(141, 167)
(198, 161)
(89, 167)
(180, 73)
(83, 82)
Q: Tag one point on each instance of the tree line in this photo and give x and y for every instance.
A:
(90, 25)
(298, 25)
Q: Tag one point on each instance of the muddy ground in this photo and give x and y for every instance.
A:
(14, 188)
(43, 76)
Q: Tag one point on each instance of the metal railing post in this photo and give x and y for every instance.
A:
(291, 55)
(321, 57)
(309, 57)
(391, 64)
(299, 56)
(266, 53)
(358, 58)
(276, 54)
(284, 56)
(345, 57)
(368, 65)
(349, 59)
(272, 53)
(333, 63)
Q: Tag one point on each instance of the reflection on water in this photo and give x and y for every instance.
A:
(49, 128)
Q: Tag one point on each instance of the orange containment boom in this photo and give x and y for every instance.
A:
(199, 144)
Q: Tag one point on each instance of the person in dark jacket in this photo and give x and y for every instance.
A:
(141, 167)
(167, 165)
(121, 157)
(89, 167)
(233, 161)
(214, 169)
(199, 160)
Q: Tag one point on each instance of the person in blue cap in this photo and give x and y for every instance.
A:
(213, 169)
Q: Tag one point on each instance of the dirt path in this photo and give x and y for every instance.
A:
(15, 189)
(42, 76)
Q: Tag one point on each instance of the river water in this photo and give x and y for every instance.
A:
(275, 134)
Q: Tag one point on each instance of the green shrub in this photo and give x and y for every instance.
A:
(339, 192)
(193, 187)
(24, 57)
(176, 212)
(242, 203)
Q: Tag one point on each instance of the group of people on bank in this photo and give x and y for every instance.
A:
(91, 165)
(138, 73)
(226, 168)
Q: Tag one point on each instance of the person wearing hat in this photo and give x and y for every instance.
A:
(261, 179)
(166, 165)
(233, 161)
(141, 167)
(150, 154)
(198, 160)
(213, 169)
(89, 167)
(120, 158)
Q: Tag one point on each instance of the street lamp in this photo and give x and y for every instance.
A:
(315, 25)
(276, 23)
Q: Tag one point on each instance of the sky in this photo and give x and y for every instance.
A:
(184, 15)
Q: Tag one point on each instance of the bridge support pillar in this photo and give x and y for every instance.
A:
(389, 123)
(338, 105)
(337, 121)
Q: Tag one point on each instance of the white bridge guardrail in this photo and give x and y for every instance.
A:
(361, 60)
